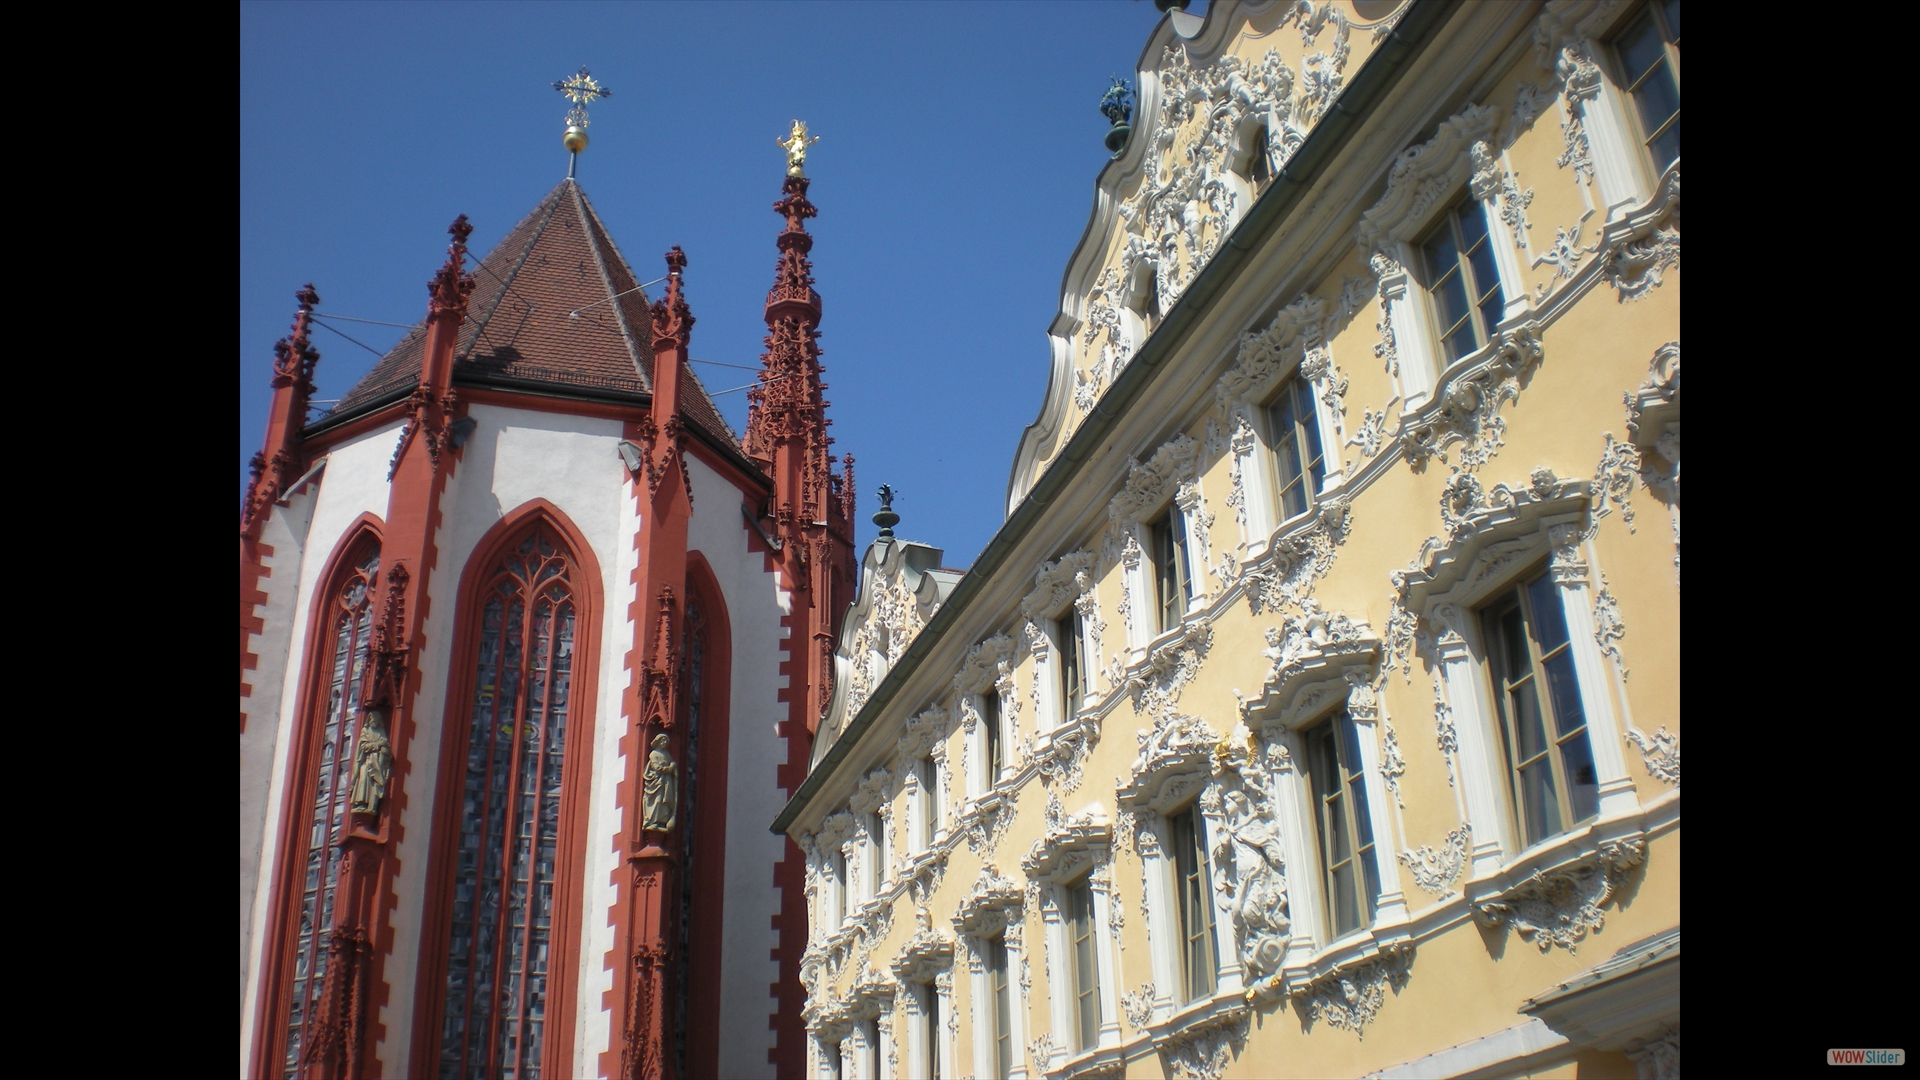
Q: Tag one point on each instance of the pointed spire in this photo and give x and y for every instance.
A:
(277, 463)
(450, 288)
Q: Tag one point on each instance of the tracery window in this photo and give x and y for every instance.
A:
(348, 627)
(497, 959)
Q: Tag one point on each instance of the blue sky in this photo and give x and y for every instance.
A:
(955, 173)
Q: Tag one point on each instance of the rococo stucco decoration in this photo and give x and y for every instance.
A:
(1661, 753)
(1249, 864)
(1349, 998)
(1202, 1051)
(1437, 870)
(1561, 906)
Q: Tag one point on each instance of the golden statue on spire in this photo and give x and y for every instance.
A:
(795, 144)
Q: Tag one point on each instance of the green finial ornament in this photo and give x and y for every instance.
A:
(885, 517)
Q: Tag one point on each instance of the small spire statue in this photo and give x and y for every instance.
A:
(1117, 106)
(659, 789)
(795, 144)
(885, 517)
(581, 89)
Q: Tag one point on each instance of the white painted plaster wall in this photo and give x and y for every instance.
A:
(512, 457)
(355, 483)
(755, 751)
(285, 531)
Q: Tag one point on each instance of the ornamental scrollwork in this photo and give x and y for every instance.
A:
(1563, 905)
(1466, 408)
(1436, 869)
(1350, 997)
(1298, 558)
(1637, 262)
(1137, 1005)
(1202, 1051)
(1608, 626)
(1660, 754)
(1155, 686)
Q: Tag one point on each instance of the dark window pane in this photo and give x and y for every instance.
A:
(1451, 297)
(1640, 47)
(1473, 223)
(1310, 430)
(1666, 145)
(1346, 906)
(1542, 808)
(1549, 620)
(1671, 9)
(1442, 257)
(1486, 275)
(1526, 719)
(1583, 785)
(1658, 97)
(1568, 716)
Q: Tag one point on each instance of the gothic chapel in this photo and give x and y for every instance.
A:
(531, 648)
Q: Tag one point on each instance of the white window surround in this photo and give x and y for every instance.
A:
(1076, 848)
(988, 669)
(1567, 43)
(924, 739)
(1293, 341)
(995, 906)
(1174, 772)
(1170, 476)
(1493, 537)
(924, 968)
(834, 846)
(1060, 587)
(1321, 666)
(1421, 186)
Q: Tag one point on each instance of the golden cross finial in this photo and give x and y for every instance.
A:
(582, 90)
(795, 144)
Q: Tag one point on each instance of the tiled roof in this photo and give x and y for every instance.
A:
(520, 326)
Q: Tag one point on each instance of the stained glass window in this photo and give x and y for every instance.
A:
(349, 625)
(497, 960)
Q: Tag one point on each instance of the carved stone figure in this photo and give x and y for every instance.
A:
(1259, 903)
(372, 764)
(659, 789)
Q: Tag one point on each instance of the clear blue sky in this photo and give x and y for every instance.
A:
(955, 173)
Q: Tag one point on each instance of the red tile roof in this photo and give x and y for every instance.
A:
(521, 327)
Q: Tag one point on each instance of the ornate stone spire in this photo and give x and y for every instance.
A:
(277, 463)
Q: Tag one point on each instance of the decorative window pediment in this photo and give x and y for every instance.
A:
(1489, 535)
(872, 792)
(924, 732)
(1172, 766)
(1657, 403)
(986, 664)
(1562, 904)
(1057, 584)
(1152, 483)
(1072, 845)
(1315, 660)
(926, 954)
(989, 906)
(1423, 179)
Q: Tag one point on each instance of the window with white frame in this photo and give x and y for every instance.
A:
(876, 854)
(868, 1041)
(833, 899)
(1349, 870)
(1293, 433)
(1085, 969)
(1647, 50)
(927, 1041)
(1461, 280)
(1536, 694)
(1172, 568)
(926, 800)
(1068, 641)
(991, 732)
(1000, 1014)
(1449, 271)
(1194, 903)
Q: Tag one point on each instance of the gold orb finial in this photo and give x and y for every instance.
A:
(582, 89)
(795, 144)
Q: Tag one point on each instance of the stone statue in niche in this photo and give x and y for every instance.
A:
(659, 788)
(372, 764)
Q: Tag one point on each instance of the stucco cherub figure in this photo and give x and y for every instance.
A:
(659, 789)
(1258, 905)
(372, 765)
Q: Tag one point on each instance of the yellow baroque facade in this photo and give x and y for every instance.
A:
(1315, 712)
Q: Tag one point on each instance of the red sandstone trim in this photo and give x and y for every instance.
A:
(253, 570)
(709, 824)
(296, 802)
(613, 1000)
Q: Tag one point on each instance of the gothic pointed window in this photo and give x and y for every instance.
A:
(348, 627)
(497, 957)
